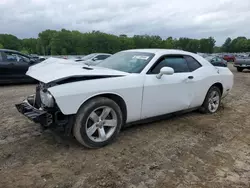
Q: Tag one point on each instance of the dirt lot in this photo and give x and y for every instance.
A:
(192, 150)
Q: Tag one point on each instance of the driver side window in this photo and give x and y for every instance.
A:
(15, 58)
(10, 57)
(178, 63)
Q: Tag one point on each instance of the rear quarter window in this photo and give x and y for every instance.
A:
(193, 64)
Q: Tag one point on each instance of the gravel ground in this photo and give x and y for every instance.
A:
(191, 150)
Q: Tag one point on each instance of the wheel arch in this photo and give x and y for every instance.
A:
(115, 97)
(219, 85)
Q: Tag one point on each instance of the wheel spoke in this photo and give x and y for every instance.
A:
(110, 123)
(91, 130)
(210, 106)
(101, 124)
(94, 117)
(102, 133)
(213, 105)
(216, 98)
(213, 94)
(105, 113)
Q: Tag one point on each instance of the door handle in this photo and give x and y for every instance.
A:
(190, 77)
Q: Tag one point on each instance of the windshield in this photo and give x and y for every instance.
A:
(87, 57)
(131, 62)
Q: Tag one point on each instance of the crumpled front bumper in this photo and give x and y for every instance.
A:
(36, 115)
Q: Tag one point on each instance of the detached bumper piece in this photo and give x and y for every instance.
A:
(34, 114)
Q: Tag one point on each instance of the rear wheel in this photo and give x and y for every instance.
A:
(98, 122)
(239, 69)
(212, 101)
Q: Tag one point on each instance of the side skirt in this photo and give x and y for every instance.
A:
(161, 117)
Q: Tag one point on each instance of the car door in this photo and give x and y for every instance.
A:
(21, 66)
(196, 84)
(6, 67)
(16, 65)
(170, 93)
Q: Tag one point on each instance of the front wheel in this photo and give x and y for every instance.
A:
(212, 101)
(98, 122)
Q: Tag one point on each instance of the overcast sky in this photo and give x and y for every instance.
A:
(176, 18)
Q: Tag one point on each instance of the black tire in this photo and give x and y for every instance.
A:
(205, 106)
(239, 69)
(79, 129)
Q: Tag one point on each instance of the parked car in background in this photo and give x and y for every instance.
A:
(13, 66)
(94, 58)
(34, 57)
(203, 54)
(216, 61)
(229, 58)
(241, 64)
(41, 58)
(94, 102)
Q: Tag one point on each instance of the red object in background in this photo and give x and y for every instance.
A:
(229, 58)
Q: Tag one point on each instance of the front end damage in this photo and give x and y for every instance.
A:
(42, 107)
(41, 111)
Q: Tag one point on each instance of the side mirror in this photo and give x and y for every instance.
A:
(166, 71)
(94, 59)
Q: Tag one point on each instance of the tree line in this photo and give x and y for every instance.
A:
(239, 44)
(66, 42)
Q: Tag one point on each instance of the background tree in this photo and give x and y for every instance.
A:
(10, 42)
(67, 42)
(239, 44)
(217, 49)
(24, 51)
(45, 39)
(226, 45)
(29, 45)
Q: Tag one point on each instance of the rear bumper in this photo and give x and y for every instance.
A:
(242, 65)
(36, 115)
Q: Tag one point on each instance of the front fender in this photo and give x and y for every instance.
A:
(69, 97)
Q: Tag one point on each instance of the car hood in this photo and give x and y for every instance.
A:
(56, 69)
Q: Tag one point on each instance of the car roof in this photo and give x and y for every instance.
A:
(8, 50)
(160, 51)
(14, 51)
(102, 54)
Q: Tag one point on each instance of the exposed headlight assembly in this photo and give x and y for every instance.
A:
(46, 98)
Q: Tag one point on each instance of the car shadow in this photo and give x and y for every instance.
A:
(62, 141)
(246, 71)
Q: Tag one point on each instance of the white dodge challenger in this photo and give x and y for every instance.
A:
(93, 103)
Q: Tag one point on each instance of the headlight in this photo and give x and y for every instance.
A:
(47, 98)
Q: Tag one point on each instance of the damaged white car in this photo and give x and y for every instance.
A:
(93, 103)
